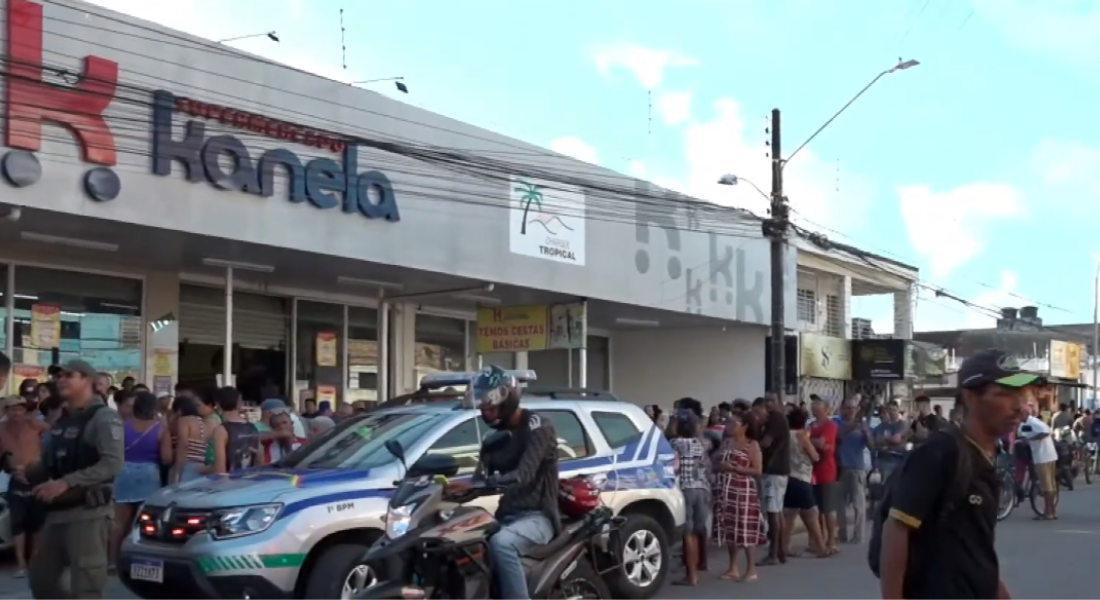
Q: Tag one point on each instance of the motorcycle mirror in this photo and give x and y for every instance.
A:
(394, 447)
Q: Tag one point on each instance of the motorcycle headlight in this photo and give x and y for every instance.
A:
(243, 520)
(398, 519)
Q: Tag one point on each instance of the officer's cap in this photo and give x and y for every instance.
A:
(79, 366)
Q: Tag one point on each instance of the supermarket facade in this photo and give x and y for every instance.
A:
(171, 216)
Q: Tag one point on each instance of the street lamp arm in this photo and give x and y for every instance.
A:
(834, 117)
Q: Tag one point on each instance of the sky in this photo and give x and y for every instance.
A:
(980, 166)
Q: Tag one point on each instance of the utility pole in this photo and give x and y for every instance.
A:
(775, 228)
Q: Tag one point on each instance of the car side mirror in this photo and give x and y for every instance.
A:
(495, 441)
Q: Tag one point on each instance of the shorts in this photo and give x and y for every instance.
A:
(25, 512)
(827, 497)
(697, 508)
(799, 496)
(1046, 473)
(136, 482)
(773, 490)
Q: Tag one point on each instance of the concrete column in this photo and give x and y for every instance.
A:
(903, 314)
(403, 349)
(903, 329)
(162, 299)
(521, 361)
(846, 304)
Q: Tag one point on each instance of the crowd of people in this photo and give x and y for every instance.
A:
(751, 470)
(167, 438)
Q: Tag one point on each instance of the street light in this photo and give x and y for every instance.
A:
(731, 179)
(397, 82)
(776, 226)
(901, 66)
(268, 34)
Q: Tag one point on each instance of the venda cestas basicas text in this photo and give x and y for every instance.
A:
(511, 337)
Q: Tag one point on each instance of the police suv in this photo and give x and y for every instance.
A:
(299, 529)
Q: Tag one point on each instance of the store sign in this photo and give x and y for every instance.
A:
(879, 359)
(1065, 359)
(928, 361)
(825, 357)
(226, 163)
(532, 328)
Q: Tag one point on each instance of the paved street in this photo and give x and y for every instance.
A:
(1038, 560)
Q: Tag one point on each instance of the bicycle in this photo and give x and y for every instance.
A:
(1034, 491)
(1006, 472)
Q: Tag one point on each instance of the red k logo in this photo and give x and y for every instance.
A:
(31, 101)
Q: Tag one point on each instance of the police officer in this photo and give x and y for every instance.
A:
(74, 479)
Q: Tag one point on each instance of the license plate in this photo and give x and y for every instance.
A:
(147, 569)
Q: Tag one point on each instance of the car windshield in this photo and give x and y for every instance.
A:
(360, 444)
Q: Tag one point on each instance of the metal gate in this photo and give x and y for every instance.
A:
(828, 389)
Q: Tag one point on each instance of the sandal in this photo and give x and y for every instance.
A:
(730, 576)
(749, 578)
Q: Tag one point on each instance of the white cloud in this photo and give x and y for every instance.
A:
(575, 148)
(648, 65)
(949, 228)
(1071, 171)
(674, 107)
(725, 144)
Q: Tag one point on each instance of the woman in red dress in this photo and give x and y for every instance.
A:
(737, 521)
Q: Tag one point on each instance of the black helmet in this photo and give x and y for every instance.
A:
(496, 387)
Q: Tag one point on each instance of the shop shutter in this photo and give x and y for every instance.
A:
(260, 322)
(552, 366)
(827, 389)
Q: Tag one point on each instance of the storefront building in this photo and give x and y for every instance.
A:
(174, 215)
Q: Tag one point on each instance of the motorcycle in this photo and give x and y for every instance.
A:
(435, 547)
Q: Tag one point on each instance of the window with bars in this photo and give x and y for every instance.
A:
(807, 306)
(834, 316)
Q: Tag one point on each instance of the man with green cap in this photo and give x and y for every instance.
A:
(934, 538)
(74, 479)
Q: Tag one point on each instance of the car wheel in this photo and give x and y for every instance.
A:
(340, 573)
(645, 559)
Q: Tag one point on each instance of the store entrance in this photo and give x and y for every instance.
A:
(261, 326)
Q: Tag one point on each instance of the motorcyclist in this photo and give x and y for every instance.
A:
(527, 470)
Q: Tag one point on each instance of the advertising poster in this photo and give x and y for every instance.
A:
(568, 326)
(327, 349)
(45, 326)
(512, 328)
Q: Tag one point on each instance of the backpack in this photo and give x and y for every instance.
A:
(953, 497)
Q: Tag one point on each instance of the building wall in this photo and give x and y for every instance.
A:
(660, 366)
(821, 303)
(664, 253)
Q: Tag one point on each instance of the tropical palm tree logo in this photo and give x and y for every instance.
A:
(529, 194)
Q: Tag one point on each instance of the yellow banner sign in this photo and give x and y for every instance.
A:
(1065, 359)
(512, 328)
(825, 357)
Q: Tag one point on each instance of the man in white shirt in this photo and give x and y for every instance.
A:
(1045, 457)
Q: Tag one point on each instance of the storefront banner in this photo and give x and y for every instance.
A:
(327, 349)
(826, 357)
(880, 359)
(1065, 359)
(45, 326)
(513, 328)
(568, 325)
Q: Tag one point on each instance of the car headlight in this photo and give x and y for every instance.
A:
(398, 519)
(243, 520)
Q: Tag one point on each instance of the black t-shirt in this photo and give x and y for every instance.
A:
(931, 422)
(953, 558)
(777, 456)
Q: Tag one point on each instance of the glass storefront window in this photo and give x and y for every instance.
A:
(440, 345)
(319, 351)
(63, 315)
(362, 354)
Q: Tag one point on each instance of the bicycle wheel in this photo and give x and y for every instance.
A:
(1007, 502)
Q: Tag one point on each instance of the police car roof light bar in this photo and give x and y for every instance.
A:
(445, 378)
